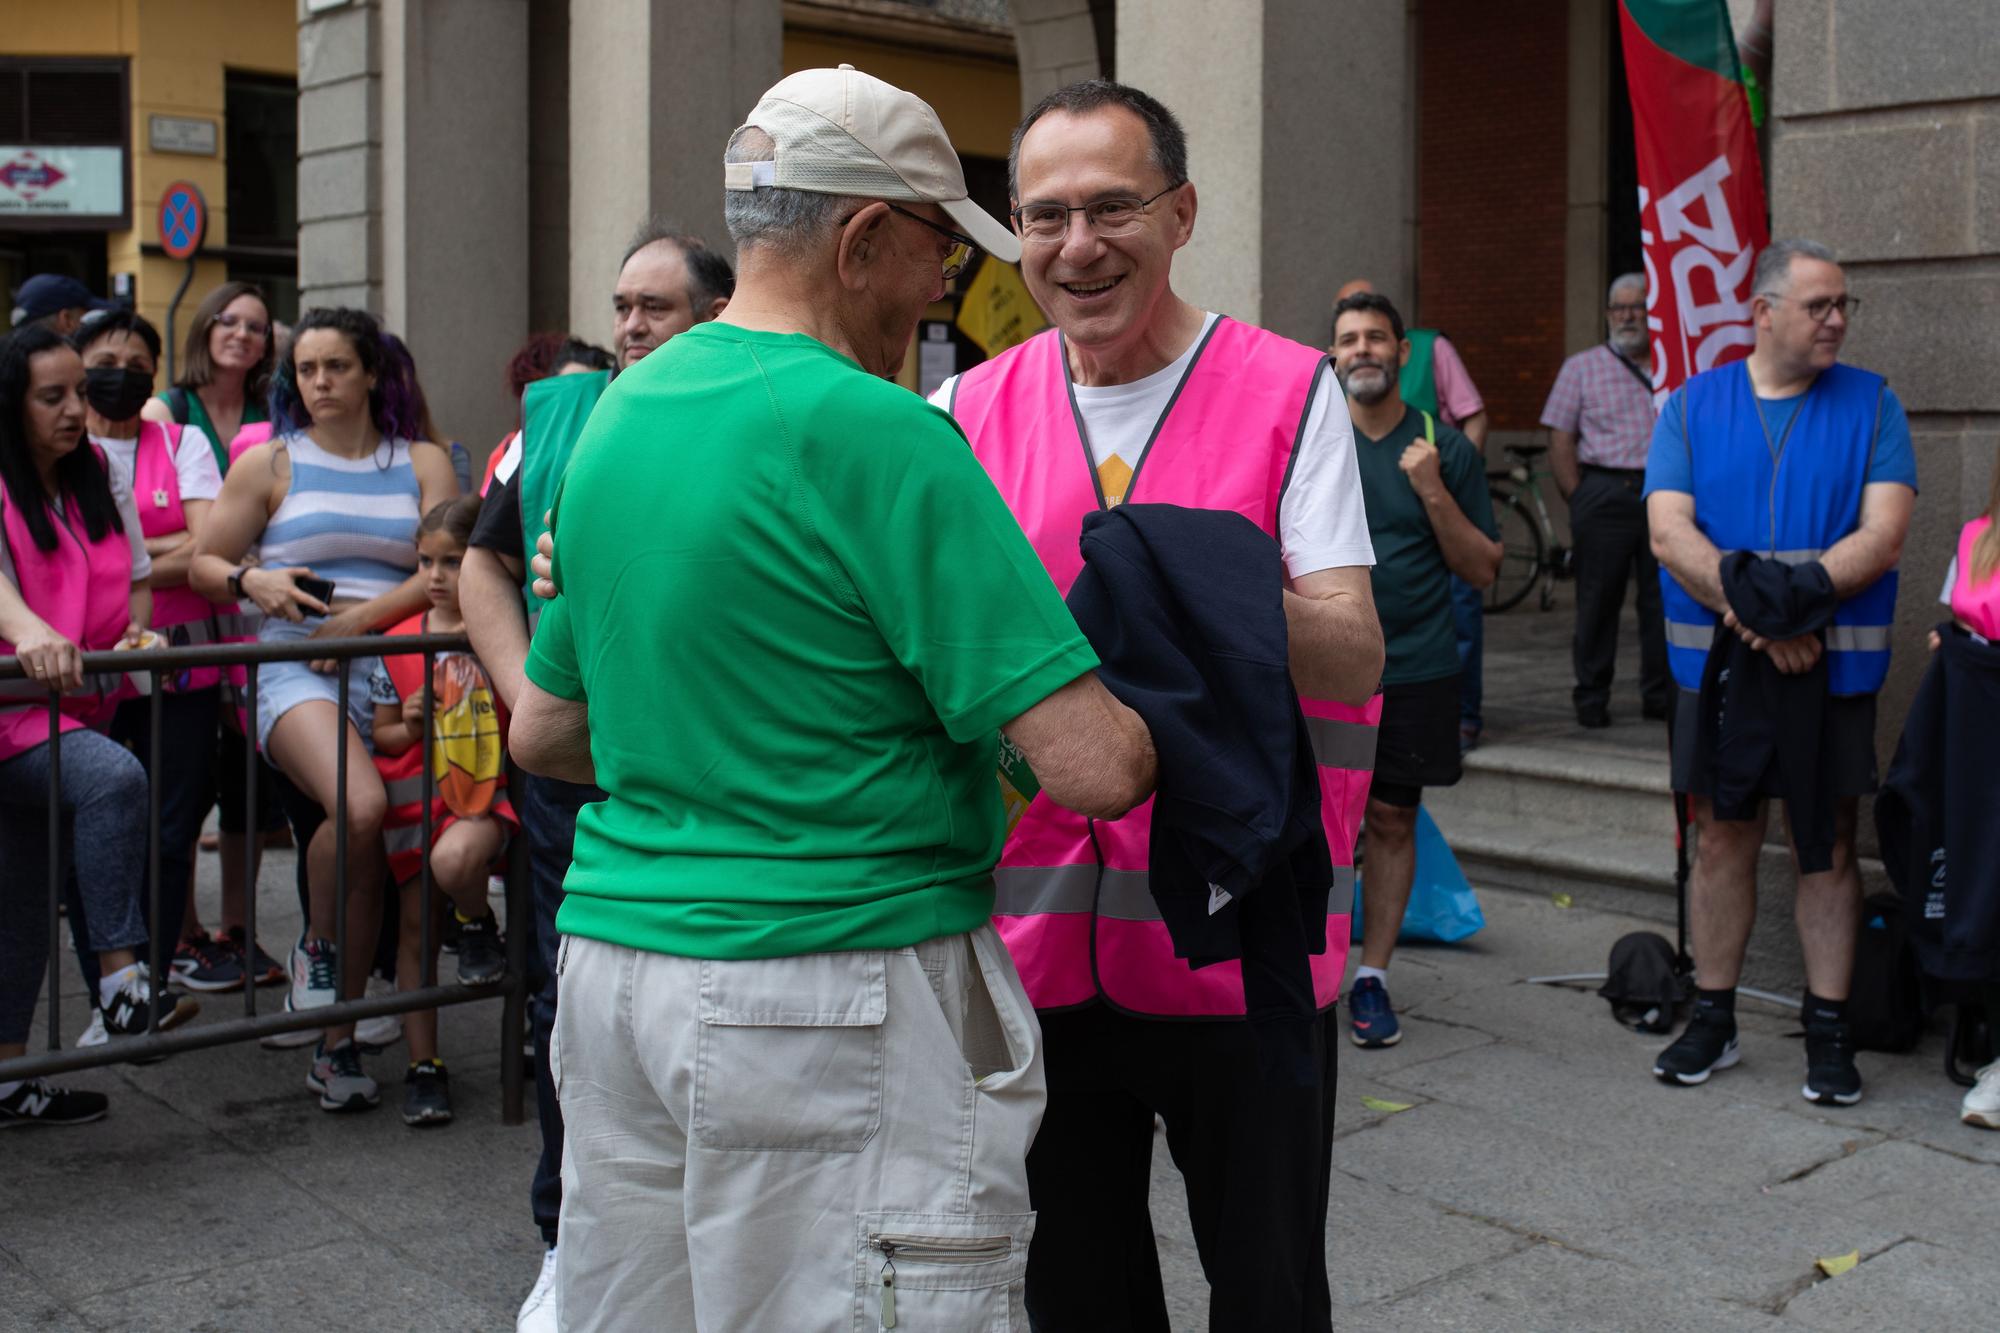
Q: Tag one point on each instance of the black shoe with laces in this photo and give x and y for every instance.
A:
(126, 1015)
(482, 956)
(1831, 1078)
(427, 1094)
(39, 1102)
(1708, 1044)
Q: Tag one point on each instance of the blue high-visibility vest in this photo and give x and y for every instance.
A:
(1789, 497)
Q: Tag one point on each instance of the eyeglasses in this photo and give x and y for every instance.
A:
(1820, 307)
(1623, 311)
(255, 328)
(1120, 215)
(963, 251)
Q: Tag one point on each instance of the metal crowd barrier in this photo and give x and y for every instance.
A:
(158, 662)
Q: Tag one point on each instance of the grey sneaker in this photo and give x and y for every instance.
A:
(337, 1077)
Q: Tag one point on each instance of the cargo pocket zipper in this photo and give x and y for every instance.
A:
(935, 1250)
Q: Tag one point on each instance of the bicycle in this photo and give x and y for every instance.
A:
(1530, 553)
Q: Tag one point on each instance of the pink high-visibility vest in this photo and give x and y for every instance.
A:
(1074, 903)
(1977, 605)
(83, 591)
(156, 493)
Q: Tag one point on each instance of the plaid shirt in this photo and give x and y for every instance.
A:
(1598, 399)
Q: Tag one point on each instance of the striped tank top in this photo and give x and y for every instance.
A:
(352, 520)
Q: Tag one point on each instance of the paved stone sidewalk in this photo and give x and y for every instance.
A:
(1540, 1180)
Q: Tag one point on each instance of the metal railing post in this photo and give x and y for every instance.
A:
(513, 1010)
(253, 843)
(55, 870)
(155, 974)
(339, 844)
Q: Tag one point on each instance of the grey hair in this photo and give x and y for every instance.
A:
(1774, 264)
(784, 219)
(1623, 280)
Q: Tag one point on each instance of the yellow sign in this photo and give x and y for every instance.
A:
(996, 311)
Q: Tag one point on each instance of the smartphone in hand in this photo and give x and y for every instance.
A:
(319, 588)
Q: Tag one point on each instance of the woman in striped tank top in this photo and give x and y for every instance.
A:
(335, 494)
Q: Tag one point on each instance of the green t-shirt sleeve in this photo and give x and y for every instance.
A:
(552, 662)
(945, 573)
(1465, 473)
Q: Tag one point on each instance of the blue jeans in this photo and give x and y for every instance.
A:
(1468, 618)
(103, 796)
(548, 816)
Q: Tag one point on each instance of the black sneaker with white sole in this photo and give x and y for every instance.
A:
(427, 1094)
(1831, 1078)
(38, 1102)
(1708, 1044)
(126, 1015)
(482, 953)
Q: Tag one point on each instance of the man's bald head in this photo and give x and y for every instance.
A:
(1354, 288)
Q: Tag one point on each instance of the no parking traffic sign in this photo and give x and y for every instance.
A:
(183, 219)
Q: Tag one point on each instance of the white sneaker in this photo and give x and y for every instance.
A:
(384, 1030)
(94, 1035)
(542, 1311)
(314, 970)
(1982, 1102)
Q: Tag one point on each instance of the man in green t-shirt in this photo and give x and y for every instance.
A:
(793, 617)
(1424, 485)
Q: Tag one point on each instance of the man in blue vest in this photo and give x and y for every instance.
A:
(667, 284)
(1794, 456)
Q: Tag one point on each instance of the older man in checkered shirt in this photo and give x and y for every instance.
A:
(1601, 415)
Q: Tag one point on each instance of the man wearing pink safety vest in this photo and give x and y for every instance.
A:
(1135, 394)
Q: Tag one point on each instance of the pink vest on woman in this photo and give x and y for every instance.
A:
(1978, 606)
(1074, 904)
(83, 590)
(156, 492)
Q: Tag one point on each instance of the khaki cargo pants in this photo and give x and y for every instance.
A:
(833, 1141)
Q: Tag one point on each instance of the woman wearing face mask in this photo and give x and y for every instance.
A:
(171, 474)
(74, 582)
(335, 495)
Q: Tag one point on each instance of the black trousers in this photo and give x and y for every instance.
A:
(1607, 520)
(1256, 1159)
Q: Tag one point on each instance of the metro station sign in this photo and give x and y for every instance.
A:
(84, 185)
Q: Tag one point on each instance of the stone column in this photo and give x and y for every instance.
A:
(1300, 148)
(1584, 244)
(455, 201)
(656, 87)
(1886, 146)
(340, 151)
(413, 187)
(1056, 46)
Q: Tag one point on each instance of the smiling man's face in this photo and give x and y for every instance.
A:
(1099, 291)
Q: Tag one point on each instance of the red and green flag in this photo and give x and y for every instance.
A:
(1701, 185)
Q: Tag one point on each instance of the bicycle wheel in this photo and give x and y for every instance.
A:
(1521, 552)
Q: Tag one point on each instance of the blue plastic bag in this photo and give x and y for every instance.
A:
(1442, 907)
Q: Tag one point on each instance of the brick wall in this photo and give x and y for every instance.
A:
(1492, 161)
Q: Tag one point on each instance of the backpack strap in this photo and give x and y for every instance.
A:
(177, 403)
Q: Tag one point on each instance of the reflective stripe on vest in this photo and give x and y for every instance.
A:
(1789, 498)
(1075, 907)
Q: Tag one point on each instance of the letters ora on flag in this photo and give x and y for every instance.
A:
(1701, 186)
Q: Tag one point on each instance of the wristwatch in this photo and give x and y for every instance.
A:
(236, 581)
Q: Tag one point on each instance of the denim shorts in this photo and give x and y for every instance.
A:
(283, 686)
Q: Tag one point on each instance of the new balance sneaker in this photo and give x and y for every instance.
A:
(315, 975)
(427, 1094)
(263, 969)
(36, 1101)
(1831, 1078)
(127, 1014)
(1370, 1020)
(205, 964)
(482, 957)
(1982, 1100)
(1708, 1044)
(374, 1035)
(542, 1311)
(337, 1077)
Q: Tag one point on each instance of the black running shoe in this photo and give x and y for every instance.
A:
(482, 956)
(207, 964)
(1708, 1044)
(427, 1094)
(39, 1102)
(125, 1016)
(263, 969)
(1831, 1078)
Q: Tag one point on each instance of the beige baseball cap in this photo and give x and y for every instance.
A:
(839, 131)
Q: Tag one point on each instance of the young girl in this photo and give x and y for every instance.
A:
(470, 817)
